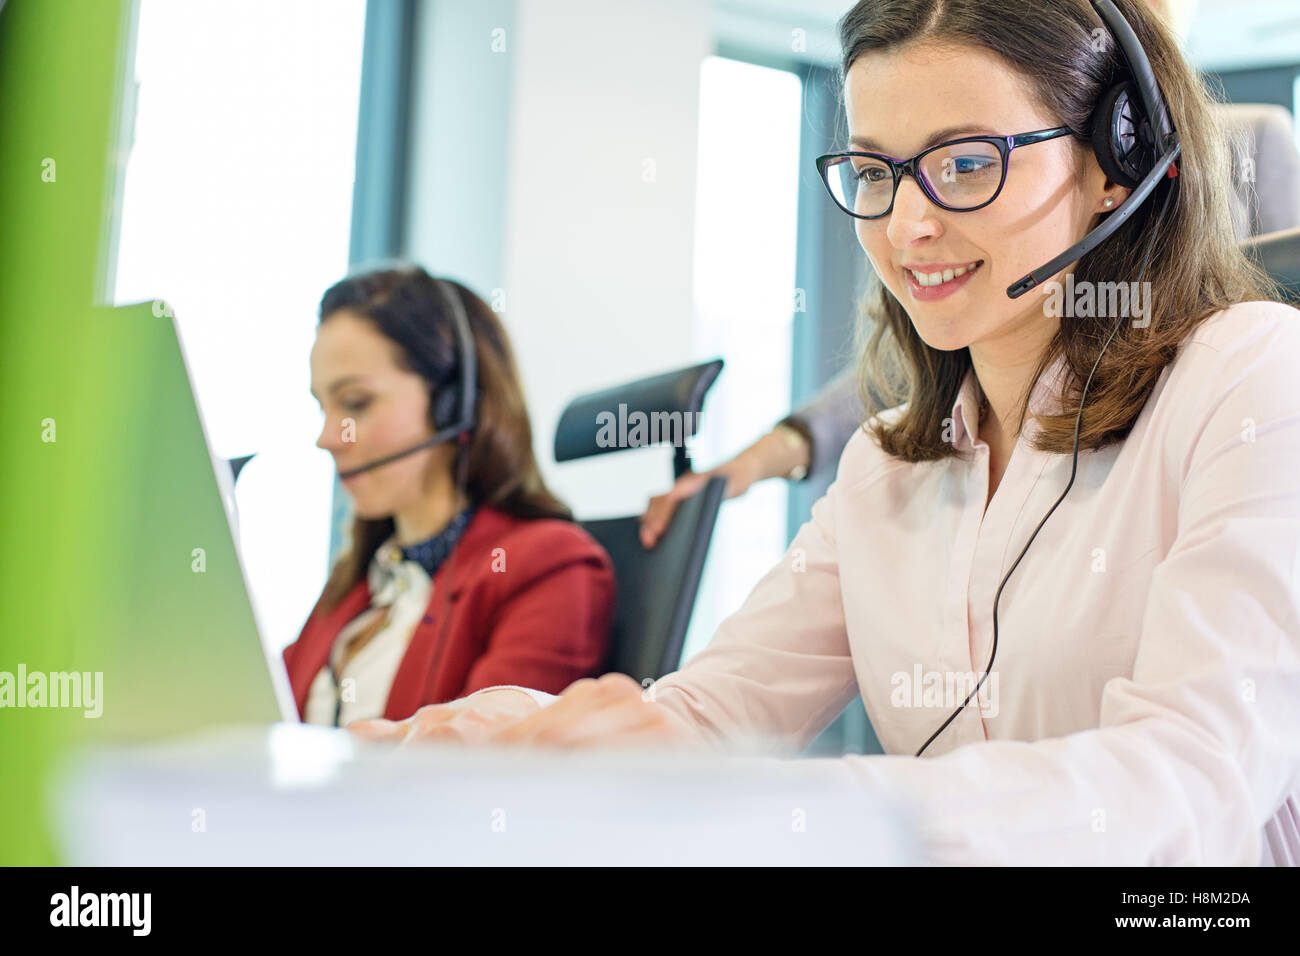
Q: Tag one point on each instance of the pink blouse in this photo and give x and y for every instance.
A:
(1144, 704)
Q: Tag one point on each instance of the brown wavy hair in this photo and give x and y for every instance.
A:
(1196, 266)
(403, 304)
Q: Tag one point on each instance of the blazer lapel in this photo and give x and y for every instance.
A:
(415, 683)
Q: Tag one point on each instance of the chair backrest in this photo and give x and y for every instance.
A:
(1278, 254)
(237, 464)
(656, 588)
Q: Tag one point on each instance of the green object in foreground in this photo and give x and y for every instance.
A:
(65, 576)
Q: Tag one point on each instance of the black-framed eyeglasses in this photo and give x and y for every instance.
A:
(960, 175)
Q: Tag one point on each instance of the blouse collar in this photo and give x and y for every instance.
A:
(1044, 398)
(430, 553)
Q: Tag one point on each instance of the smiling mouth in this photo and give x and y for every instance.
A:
(929, 279)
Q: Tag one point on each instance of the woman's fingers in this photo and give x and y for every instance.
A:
(612, 727)
(443, 733)
(394, 731)
(578, 698)
(659, 512)
(378, 729)
(466, 725)
(610, 711)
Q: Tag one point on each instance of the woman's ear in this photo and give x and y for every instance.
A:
(1107, 194)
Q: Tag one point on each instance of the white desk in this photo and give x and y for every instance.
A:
(299, 795)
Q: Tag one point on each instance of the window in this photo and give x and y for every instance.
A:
(745, 230)
(236, 210)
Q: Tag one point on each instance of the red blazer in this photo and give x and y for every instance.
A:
(531, 603)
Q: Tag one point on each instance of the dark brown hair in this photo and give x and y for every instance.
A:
(403, 304)
(1196, 266)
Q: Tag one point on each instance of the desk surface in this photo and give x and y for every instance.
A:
(291, 794)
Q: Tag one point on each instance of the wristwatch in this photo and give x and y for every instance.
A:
(798, 442)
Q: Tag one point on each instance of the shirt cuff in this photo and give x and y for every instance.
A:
(539, 696)
(800, 428)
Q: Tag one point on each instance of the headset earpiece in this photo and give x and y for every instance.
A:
(452, 401)
(1122, 151)
(443, 404)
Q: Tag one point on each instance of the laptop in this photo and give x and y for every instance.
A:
(179, 646)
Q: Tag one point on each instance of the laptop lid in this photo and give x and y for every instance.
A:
(181, 646)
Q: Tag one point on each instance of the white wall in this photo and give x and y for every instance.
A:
(458, 143)
(235, 210)
(559, 174)
(600, 216)
(576, 149)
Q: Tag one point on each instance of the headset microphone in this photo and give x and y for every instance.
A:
(439, 437)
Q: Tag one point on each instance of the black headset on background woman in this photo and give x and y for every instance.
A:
(452, 402)
(1136, 145)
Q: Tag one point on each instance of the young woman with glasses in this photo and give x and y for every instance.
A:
(1129, 692)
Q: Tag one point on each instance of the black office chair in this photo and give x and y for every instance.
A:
(656, 587)
(1278, 254)
(237, 464)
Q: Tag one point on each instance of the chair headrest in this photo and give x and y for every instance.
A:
(1278, 254)
(649, 411)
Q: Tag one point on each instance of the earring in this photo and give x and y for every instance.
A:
(1108, 202)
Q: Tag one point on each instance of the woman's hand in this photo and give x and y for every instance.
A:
(468, 720)
(613, 710)
(769, 457)
(740, 472)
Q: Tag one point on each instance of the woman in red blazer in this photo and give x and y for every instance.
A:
(462, 571)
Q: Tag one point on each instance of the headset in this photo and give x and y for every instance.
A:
(1133, 139)
(454, 402)
(1136, 146)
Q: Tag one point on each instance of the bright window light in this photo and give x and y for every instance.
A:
(236, 210)
(745, 229)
